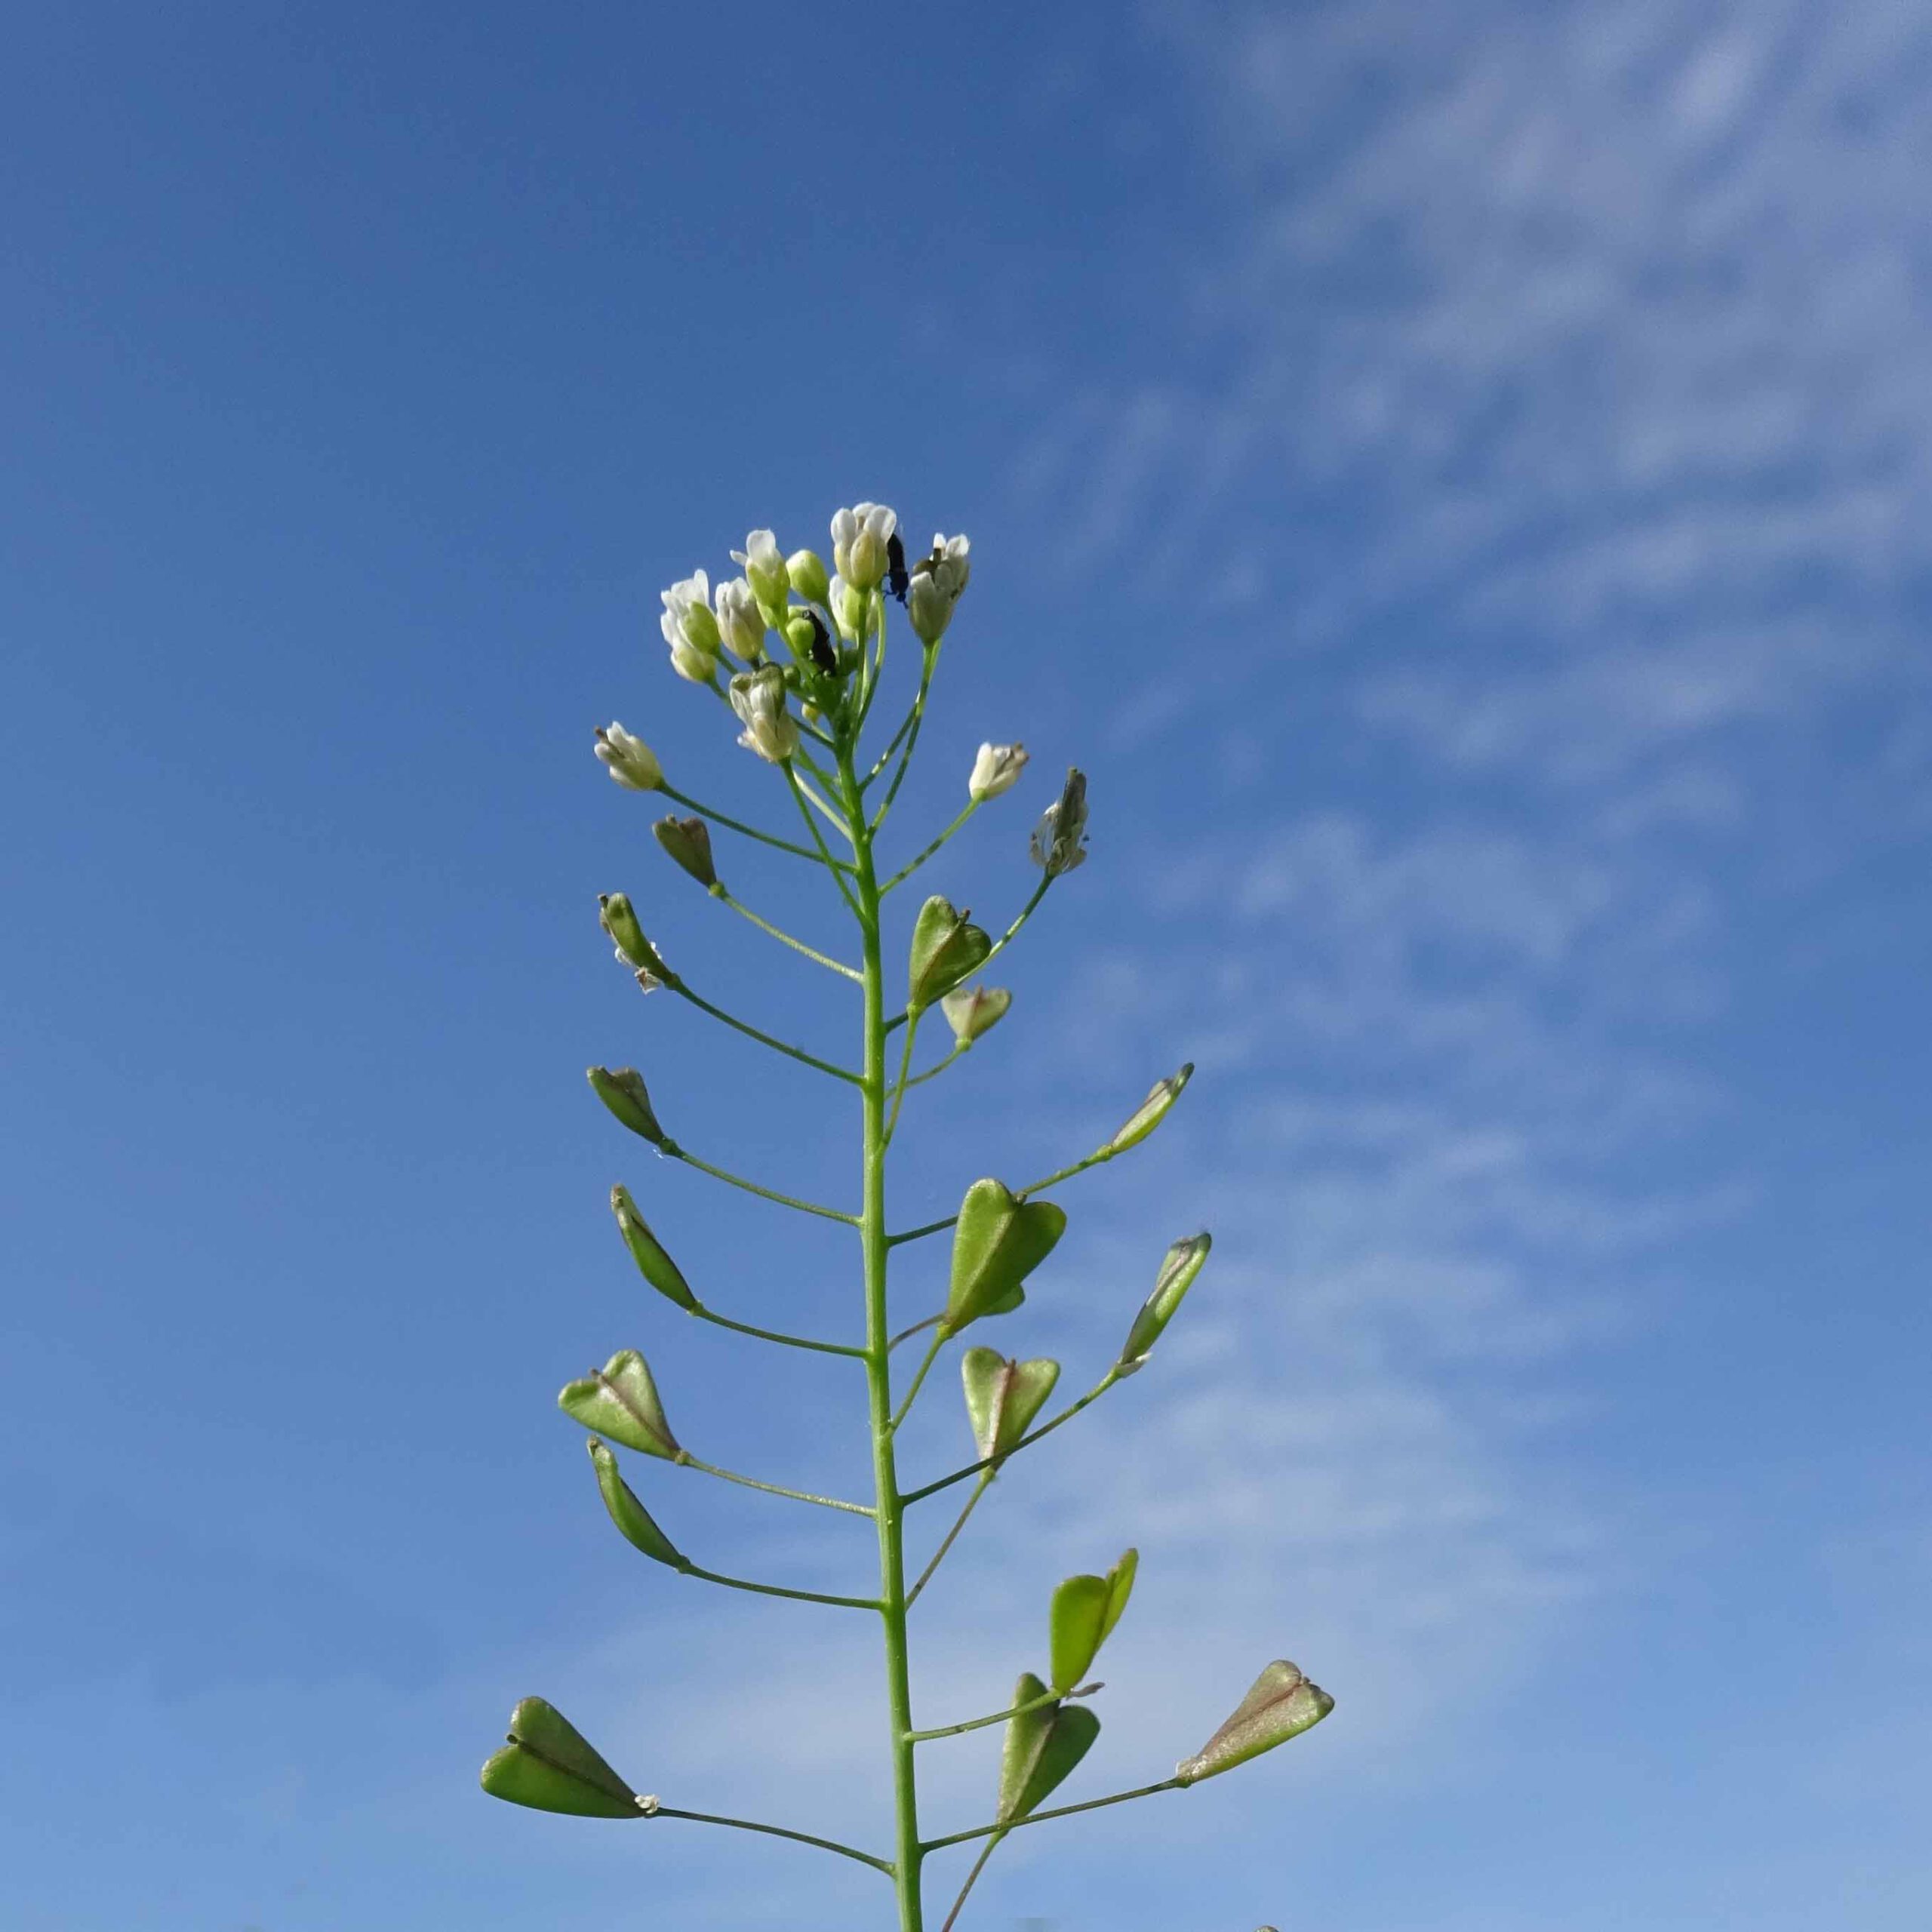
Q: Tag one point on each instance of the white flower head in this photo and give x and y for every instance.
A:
(858, 543)
(759, 698)
(997, 769)
(935, 585)
(764, 564)
(688, 606)
(629, 761)
(740, 621)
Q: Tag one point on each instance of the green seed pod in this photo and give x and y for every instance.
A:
(1003, 1397)
(622, 1091)
(972, 1010)
(1151, 1111)
(619, 1400)
(633, 1521)
(998, 1241)
(614, 914)
(547, 1765)
(1085, 1610)
(1042, 1746)
(946, 948)
(1281, 1705)
(1178, 1266)
(654, 1264)
(688, 842)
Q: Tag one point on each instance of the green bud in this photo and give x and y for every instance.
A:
(688, 842)
(999, 1240)
(619, 1400)
(623, 1091)
(970, 1012)
(654, 1264)
(615, 915)
(1178, 1266)
(1281, 1705)
(547, 1765)
(946, 948)
(809, 577)
(1151, 1111)
(763, 568)
(1085, 1610)
(1042, 1747)
(632, 1519)
(1003, 1397)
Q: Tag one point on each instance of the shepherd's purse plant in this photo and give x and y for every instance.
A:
(797, 654)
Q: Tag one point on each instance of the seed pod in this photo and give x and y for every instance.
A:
(687, 841)
(1178, 1266)
(619, 1400)
(972, 1010)
(547, 1765)
(654, 1264)
(633, 1520)
(1042, 1747)
(623, 1092)
(1085, 1610)
(1003, 1397)
(1151, 1111)
(946, 948)
(1282, 1704)
(616, 915)
(998, 1241)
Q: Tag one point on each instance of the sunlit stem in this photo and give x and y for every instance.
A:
(1000, 1717)
(918, 1379)
(915, 719)
(813, 795)
(775, 1831)
(899, 1085)
(772, 1335)
(906, 871)
(674, 1152)
(716, 817)
(751, 1032)
(778, 1590)
(1058, 1811)
(951, 1535)
(690, 1462)
(986, 1463)
(799, 792)
(784, 938)
(892, 745)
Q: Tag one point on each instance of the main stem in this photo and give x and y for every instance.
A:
(889, 1506)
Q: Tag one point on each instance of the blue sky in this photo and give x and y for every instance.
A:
(1458, 481)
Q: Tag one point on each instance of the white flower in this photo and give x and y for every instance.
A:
(740, 621)
(858, 543)
(631, 761)
(764, 568)
(759, 698)
(936, 581)
(687, 612)
(851, 609)
(699, 667)
(997, 769)
(951, 563)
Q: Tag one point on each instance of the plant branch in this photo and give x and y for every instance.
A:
(800, 793)
(743, 911)
(775, 1831)
(772, 1335)
(690, 1462)
(674, 1152)
(939, 1555)
(915, 718)
(906, 871)
(972, 1878)
(899, 1085)
(716, 817)
(778, 1590)
(906, 1334)
(751, 1032)
(988, 1462)
(918, 1379)
(1000, 1717)
(1059, 1811)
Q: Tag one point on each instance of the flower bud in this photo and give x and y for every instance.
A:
(699, 667)
(1003, 1397)
(764, 570)
(971, 1012)
(1281, 1705)
(619, 1400)
(997, 769)
(851, 608)
(1178, 1266)
(634, 1521)
(1041, 1748)
(546, 1765)
(759, 698)
(997, 1242)
(615, 915)
(858, 543)
(1085, 1610)
(740, 623)
(688, 842)
(945, 948)
(628, 760)
(1151, 1111)
(623, 1093)
(1059, 843)
(653, 1263)
(806, 568)
(686, 605)
(934, 587)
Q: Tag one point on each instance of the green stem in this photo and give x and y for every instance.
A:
(744, 912)
(810, 792)
(704, 1314)
(987, 1462)
(798, 1053)
(918, 717)
(778, 1590)
(918, 1379)
(972, 1878)
(999, 946)
(899, 1085)
(674, 1152)
(1058, 1811)
(998, 1717)
(752, 831)
(938, 1067)
(775, 1831)
(818, 838)
(690, 1462)
(951, 1535)
(906, 871)
(1032, 1188)
(906, 1334)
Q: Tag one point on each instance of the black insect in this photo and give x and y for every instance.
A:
(822, 654)
(896, 580)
